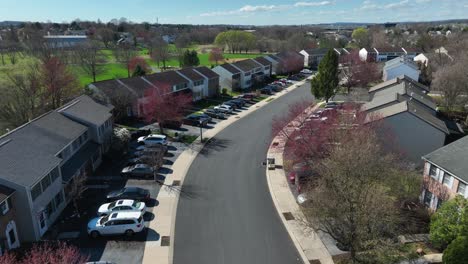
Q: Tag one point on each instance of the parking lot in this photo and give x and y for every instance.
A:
(122, 249)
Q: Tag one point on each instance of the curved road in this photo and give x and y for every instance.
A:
(227, 215)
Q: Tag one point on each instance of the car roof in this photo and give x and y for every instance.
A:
(156, 136)
(142, 166)
(132, 189)
(124, 202)
(125, 215)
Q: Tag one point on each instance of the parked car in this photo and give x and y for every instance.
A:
(173, 124)
(197, 120)
(224, 108)
(138, 160)
(306, 71)
(249, 96)
(275, 88)
(332, 105)
(231, 104)
(214, 113)
(238, 103)
(134, 193)
(118, 223)
(153, 139)
(122, 205)
(138, 170)
(266, 91)
(140, 133)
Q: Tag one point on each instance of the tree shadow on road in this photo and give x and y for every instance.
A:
(214, 145)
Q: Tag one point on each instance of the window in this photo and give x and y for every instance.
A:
(36, 191)
(447, 180)
(12, 236)
(180, 86)
(45, 182)
(197, 83)
(58, 199)
(433, 171)
(51, 207)
(427, 198)
(461, 188)
(4, 207)
(439, 203)
(54, 174)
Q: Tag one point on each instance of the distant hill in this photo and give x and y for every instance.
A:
(10, 23)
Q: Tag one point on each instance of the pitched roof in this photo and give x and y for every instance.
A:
(230, 68)
(165, 79)
(389, 49)
(263, 61)
(289, 54)
(404, 88)
(246, 65)
(402, 78)
(273, 57)
(112, 88)
(137, 84)
(5, 192)
(412, 108)
(85, 108)
(317, 51)
(191, 74)
(399, 61)
(207, 72)
(29, 152)
(452, 158)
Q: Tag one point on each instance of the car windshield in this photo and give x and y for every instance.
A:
(136, 204)
(104, 220)
(111, 205)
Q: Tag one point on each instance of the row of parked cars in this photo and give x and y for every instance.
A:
(279, 85)
(122, 215)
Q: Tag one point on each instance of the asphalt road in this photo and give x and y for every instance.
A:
(226, 214)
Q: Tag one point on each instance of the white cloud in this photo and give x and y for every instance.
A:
(323, 3)
(246, 9)
(249, 8)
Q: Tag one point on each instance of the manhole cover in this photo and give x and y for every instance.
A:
(165, 241)
(176, 183)
(288, 216)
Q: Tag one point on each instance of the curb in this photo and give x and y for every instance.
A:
(288, 204)
(165, 254)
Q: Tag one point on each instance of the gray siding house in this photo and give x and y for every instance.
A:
(40, 159)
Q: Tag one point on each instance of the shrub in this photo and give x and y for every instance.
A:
(449, 222)
(224, 91)
(456, 252)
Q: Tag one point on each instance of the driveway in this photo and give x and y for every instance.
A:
(230, 218)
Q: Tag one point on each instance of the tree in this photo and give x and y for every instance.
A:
(106, 35)
(124, 52)
(58, 81)
(54, 253)
(325, 83)
(90, 58)
(361, 37)
(121, 139)
(236, 40)
(161, 52)
(216, 55)
(8, 258)
(22, 98)
(190, 59)
(164, 105)
(75, 190)
(451, 81)
(449, 222)
(357, 72)
(456, 251)
(139, 66)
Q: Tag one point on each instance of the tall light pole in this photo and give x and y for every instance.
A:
(201, 130)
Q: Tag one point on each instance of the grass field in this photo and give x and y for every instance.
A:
(113, 70)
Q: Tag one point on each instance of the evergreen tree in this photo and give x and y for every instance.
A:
(325, 83)
(139, 71)
(190, 58)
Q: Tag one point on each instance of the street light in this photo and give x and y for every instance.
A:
(200, 123)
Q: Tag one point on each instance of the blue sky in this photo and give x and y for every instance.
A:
(255, 12)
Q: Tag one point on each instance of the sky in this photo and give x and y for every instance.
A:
(241, 12)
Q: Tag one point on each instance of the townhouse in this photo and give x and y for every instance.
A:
(400, 66)
(292, 62)
(244, 74)
(275, 63)
(131, 95)
(41, 159)
(445, 173)
(386, 53)
(313, 57)
(9, 238)
(229, 76)
(409, 115)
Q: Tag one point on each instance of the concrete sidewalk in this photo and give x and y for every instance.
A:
(307, 241)
(165, 212)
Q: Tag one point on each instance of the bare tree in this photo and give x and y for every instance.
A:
(90, 58)
(58, 81)
(124, 52)
(106, 35)
(451, 81)
(356, 72)
(161, 52)
(75, 190)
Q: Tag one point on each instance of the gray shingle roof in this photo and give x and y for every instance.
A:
(85, 108)
(412, 108)
(399, 61)
(246, 65)
(318, 51)
(410, 93)
(230, 68)
(29, 152)
(402, 78)
(452, 158)
(115, 88)
(191, 74)
(263, 61)
(207, 72)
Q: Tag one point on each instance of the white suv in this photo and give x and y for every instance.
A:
(224, 108)
(153, 139)
(120, 223)
(122, 205)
